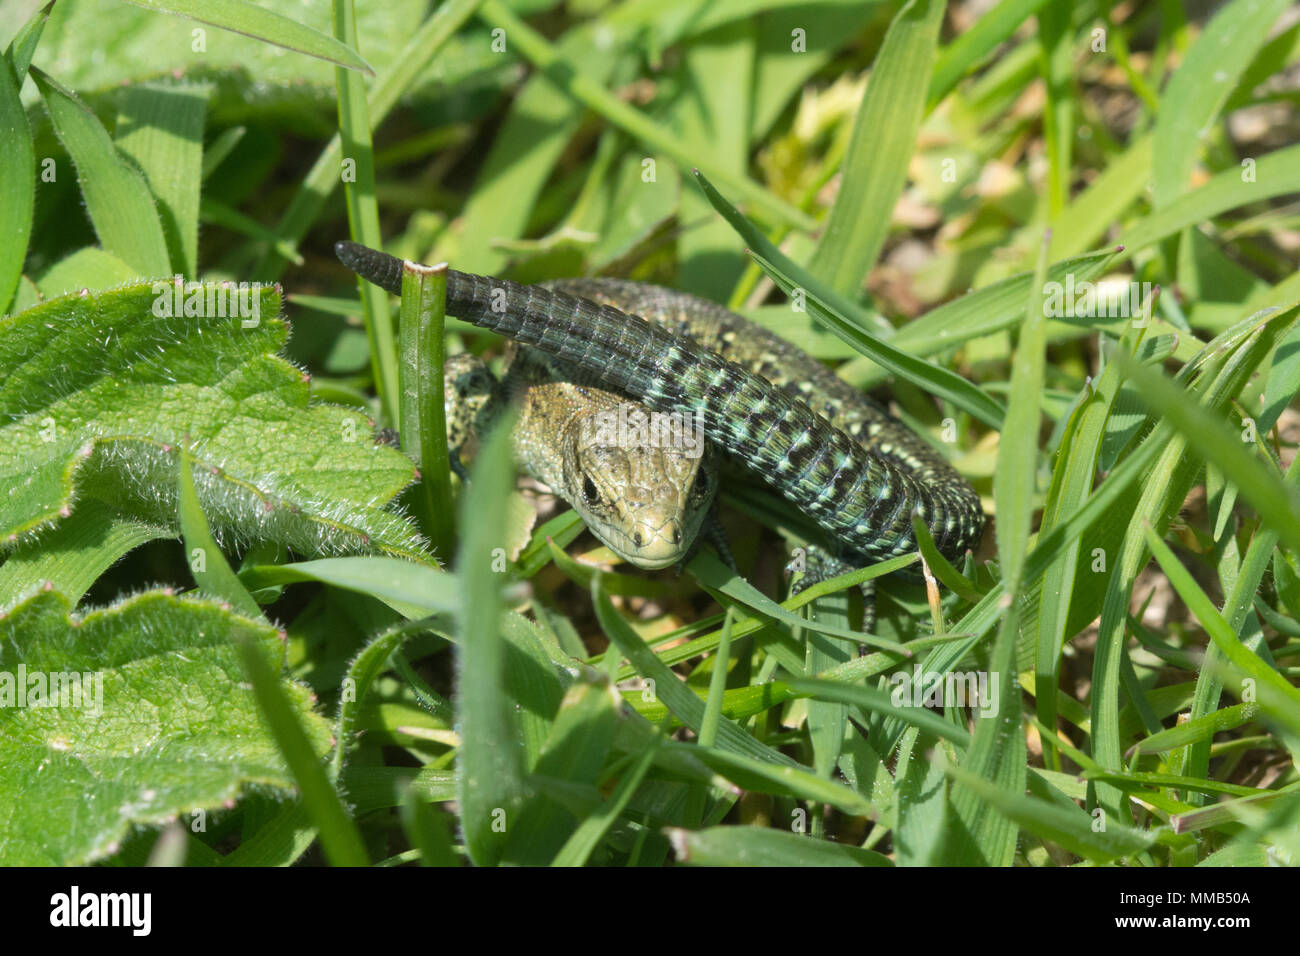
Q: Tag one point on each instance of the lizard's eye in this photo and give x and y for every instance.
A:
(589, 493)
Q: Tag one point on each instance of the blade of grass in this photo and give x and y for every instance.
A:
(940, 567)
(268, 26)
(1275, 174)
(1200, 86)
(997, 751)
(934, 379)
(323, 178)
(18, 172)
(411, 589)
(874, 169)
(363, 210)
(846, 320)
(983, 312)
(544, 57)
(716, 578)
(339, 836)
(1056, 66)
(1277, 504)
(757, 846)
(1277, 698)
(592, 830)
(207, 563)
(118, 199)
(1198, 728)
(970, 47)
(369, 663)
(717, 684)
(490, 762)
(680, 699)
(161, 128)
(423, 426)
(427, 830)
(1069, 828)
(23, 46)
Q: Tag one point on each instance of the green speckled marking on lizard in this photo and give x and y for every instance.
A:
(838, 457)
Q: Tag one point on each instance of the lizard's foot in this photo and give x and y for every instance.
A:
(711, 530)
(820, 565)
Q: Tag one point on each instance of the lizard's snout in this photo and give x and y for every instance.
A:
(657, 546)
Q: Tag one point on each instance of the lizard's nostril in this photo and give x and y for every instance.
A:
(636, 539)
(677, 537)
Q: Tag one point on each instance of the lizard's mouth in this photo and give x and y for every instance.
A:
(652, 549)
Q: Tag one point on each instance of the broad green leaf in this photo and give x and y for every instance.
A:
(250, 19)
(755, 846)
(99, 390)
(146, 45)
(175, 731)
(71, 556)
(121, 207)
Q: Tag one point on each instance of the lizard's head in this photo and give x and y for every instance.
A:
(643, 483)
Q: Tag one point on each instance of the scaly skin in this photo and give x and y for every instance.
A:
(835, 455)
(644, 495)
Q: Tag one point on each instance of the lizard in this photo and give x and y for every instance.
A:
(832, 452)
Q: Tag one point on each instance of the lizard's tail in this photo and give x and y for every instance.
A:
(372, 265)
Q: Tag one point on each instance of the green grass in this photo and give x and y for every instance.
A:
(387, 685)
